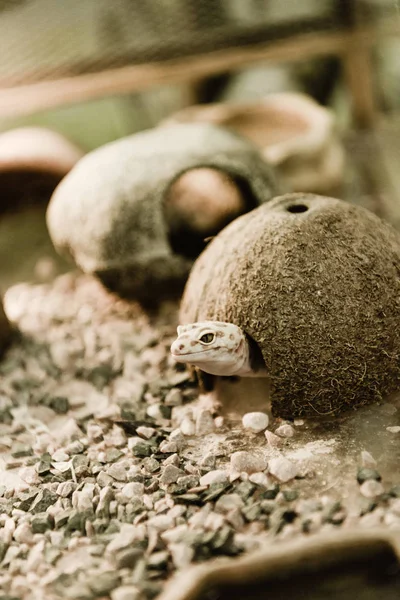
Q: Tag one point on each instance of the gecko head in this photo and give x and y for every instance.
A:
(209, 345)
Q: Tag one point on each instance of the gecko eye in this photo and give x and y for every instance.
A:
(207, 338)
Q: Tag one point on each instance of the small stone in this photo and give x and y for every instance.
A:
(371, 488)
(145, 432)
(228, 502)
(23, 534)
(61, 517)
(187, 426)
(285, 431)
(158, 560)
(66, 488)
(367, 460)
(19, 450)
(158, 412)
(151, 465)
(43, 500)
(282, 469)
(133, 489)
(117, 471)
(59, 456)
(127, 558)
(103, 583)
(161, 522)
(217, 476)
(59, 404)
(252, 512)
(207, 463)
(260, 479)
(255, 421)
(171, 474)
(113, 454)
(182, 555)
(126, 537)
(393, 429)
(174, 397)
(274, 441)
(103, 479)
(365, 474)
(248, 462)
(204, 423)
(167, 447)
(126, 592)
(41, 523)
(290, 495)
(139, 447)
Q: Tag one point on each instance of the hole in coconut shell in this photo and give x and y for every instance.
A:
(297, 208)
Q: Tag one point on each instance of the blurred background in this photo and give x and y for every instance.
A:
(95, 71)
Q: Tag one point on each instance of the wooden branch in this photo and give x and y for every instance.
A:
(23, 100)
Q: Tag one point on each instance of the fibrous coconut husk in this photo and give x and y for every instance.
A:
(33, 160)
(109, 213)
(315, 283)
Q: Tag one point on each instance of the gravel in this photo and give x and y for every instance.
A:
(255, 421)
(117, 474)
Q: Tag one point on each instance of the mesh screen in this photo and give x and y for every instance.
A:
(48, 39)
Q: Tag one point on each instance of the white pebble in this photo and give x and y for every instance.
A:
(204, 423)
(394, 429)
(260, 479)
(281, 468)
(371, 488)
(255, 421)
(145, 432)
(273, 440)
(217, 476)
(187, 426)
(182, 555)
(367, 460)
(133, 489)
(248, 462)
(285, 431)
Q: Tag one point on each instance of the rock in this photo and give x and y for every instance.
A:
(145, 432)
(126, 592)
(394, 429)
(133, 489)
(145, 247)
(248, 462)
(102, 584)
(371, 488)
(126, 537)
(260, 479)
(228, 502)
(187, 426)
(273, 440)
(182, 555)
(212, 477)
(41, 523)
(170, 474)
(365, 474)
(43, 500)
(139, 447)
(204, 423)
(367, 460)
(285, 431)
(167, 447)
(173, 398)
(117, 471)
(255, 421)
(282, 469)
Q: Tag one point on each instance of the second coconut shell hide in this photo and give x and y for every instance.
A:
(315, 282)
(108, 214)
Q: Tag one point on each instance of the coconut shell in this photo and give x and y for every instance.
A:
(315, 283)
(108, 212)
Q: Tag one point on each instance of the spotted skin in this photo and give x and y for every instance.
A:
(215, 347)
